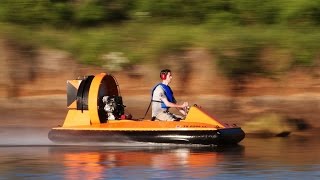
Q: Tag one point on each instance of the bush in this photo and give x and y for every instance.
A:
(101, 11)
(239, 55)
(257, 12)
(61, 12)
(302, 12)
(25, 11)
(191, 11)
(89, 13)
(94, 12)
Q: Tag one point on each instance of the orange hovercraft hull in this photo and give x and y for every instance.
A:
(87, 120)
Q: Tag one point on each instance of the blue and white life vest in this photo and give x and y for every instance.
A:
(167, 91)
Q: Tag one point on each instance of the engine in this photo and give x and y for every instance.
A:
(98, 95)
(113, 106)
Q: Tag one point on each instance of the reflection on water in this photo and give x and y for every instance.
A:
(287, 158)
(94, 162)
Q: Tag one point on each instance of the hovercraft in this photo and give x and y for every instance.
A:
(96, 114)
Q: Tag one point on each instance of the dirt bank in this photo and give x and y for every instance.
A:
(50, 110)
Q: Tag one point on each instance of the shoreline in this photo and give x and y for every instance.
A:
(50, 110)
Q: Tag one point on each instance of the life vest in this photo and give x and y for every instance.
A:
(167, 91)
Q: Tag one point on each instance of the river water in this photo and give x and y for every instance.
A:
(34, 157)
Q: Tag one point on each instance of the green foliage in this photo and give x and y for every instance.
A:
(93, 12)
(306, 50)
(190, 11)
(255, 12)
(237, 31)
(222, 19)
(171, 40)
(35, 12)
(241, 59)
(89, 13)
(62, 14)
(302, 12)
(57, 13)
(25, 11)
(89, 45)
(101, 11)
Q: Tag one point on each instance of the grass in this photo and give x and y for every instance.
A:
(141, 42)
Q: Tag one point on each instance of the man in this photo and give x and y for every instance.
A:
(163, 99)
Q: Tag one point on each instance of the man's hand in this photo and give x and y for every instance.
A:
(185, 105)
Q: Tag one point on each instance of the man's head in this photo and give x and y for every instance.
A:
(164, 73)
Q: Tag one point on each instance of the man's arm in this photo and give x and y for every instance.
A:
(173, 105)
(180, 107)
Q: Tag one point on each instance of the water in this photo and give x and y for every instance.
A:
(295, 157)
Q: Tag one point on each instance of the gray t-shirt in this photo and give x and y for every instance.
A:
(158, 94)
